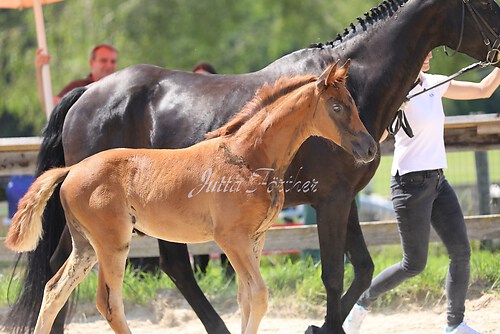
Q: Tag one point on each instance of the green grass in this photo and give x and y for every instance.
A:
(289, 277)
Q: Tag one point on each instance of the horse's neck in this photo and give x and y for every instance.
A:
(272, 141)
(386, 58)
(393, 56)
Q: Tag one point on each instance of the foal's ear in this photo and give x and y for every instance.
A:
(328, 76)
(341, 73)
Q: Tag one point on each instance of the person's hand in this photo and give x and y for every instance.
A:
(41, 58)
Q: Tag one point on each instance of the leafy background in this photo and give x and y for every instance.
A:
(235, 36)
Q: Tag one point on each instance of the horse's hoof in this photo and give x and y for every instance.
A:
(221, 330)
(312, 330)
(320, 330)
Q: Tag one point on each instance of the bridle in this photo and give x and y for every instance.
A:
(493, 55)
(492, 58)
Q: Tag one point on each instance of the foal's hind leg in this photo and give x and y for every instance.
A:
(60, 255)
(59, 287)
(112, 257)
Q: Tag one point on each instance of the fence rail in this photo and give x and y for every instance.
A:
(462, 133)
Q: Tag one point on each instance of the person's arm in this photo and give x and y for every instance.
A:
(40, 60)
(464, 90)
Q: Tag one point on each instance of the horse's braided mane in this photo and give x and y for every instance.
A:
(387, 7)
(265, 96)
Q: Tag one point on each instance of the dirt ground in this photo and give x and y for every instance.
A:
(171, 314)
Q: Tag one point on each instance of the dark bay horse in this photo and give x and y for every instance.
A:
(147, 106)
(163, 193)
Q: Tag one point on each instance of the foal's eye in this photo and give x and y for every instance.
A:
(337, 108)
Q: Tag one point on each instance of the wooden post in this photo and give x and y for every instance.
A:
(483, 186)
(483, 182)
(483, 178)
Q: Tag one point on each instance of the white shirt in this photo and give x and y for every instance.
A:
(425, 151)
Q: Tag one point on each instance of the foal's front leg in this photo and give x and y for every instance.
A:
(244, 254)
(174, 261)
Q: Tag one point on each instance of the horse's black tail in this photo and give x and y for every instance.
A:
(24, 312)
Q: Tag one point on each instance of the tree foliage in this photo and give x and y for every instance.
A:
(235, 36)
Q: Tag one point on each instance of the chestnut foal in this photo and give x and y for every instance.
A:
(228, 188)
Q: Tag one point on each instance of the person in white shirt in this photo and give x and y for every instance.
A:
(422, 196)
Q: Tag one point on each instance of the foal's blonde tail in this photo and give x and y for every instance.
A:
(26, 227)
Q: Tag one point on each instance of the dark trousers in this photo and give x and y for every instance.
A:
(421, 199)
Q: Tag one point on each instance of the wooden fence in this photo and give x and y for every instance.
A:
(462, 133)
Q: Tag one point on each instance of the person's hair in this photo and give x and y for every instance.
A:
(206, 67)
(100, 46)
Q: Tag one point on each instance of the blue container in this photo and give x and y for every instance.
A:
(16, 188)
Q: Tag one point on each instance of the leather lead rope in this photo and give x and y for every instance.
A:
(400, 121)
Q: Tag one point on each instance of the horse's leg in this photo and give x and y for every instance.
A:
(59, 288)
(201, 263)
(174, 261)
(228, 269)
(244, 303)
(332, 214)
(244, 295)
(361, 261)
(244, 254)
(112, 257)
(57, 260)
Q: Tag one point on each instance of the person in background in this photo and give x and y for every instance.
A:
(102, 62)
(421, 196)
(41, 59)
(200, 262)
(204, 68)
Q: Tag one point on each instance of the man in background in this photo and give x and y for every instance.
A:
(102, 62)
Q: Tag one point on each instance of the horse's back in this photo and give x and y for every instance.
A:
(145, 106)
(113, 112)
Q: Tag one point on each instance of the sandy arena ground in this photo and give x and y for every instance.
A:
(171, 314)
